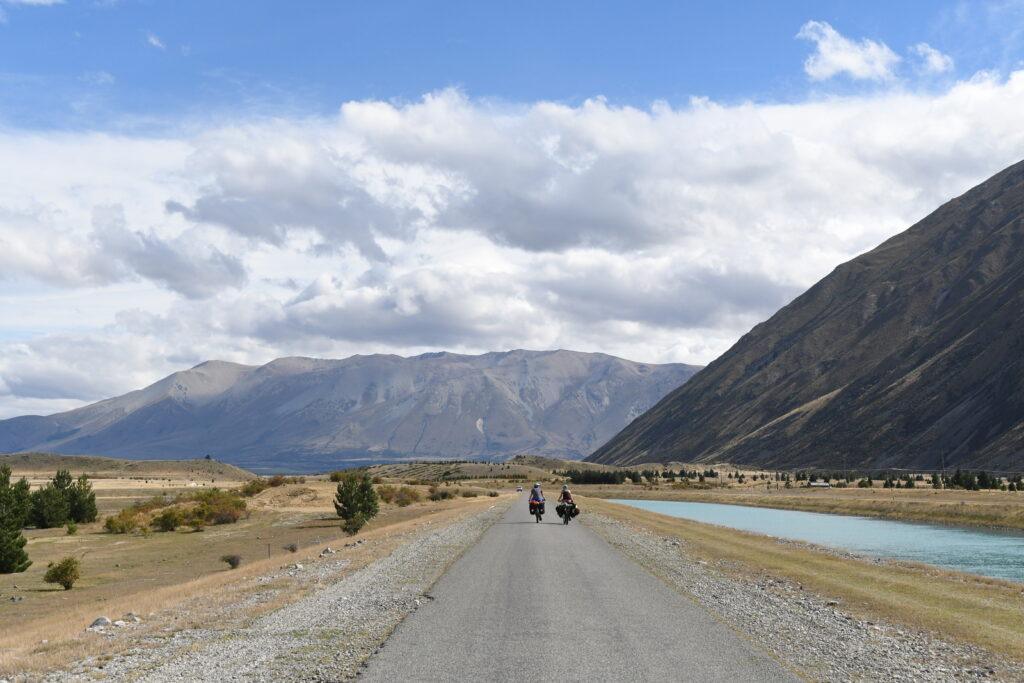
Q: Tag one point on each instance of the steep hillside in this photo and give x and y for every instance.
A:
(313, 414)
(911, 355)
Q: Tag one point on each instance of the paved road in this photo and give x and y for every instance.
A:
(533, 602)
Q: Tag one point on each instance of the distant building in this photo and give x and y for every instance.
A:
(821, 484)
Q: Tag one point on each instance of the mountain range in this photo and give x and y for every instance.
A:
(908, 356)
(305, 414)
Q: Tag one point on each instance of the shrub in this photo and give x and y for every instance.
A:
(72, 528)
(123, 522)
(168, 520)
(292, 547)
(232, 560)
(441, 494)
(336, 476)
(253, 487)
(469, 494)
(493, 494)
(64, 572)
(387, 493)
(407, 496)
(218, 507)
(276, 480)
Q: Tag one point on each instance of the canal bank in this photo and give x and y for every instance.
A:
(963, 608)
(997, 555)
(993, 510)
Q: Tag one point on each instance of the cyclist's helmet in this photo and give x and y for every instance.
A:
(536, 485)
(565, 486)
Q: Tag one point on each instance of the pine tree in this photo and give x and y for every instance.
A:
(82, 501)
(355, 502)
(49, 507)
(13, 557)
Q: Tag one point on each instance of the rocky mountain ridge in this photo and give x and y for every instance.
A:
(315, 414)
(908, 356)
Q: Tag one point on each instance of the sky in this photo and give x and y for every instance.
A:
(185, 180)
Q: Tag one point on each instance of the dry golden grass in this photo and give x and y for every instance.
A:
(154, 573)
(962, 607)
(967, 508)
(30, 464)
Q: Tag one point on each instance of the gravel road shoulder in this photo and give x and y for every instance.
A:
(324, 636)
(805, 630)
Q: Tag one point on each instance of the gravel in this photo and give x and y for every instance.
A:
(323, 636)
(805, 630)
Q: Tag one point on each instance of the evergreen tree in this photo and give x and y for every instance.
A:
(82, 501)
(49, 507)
(13, 557)
(355, 502)
(20, 507)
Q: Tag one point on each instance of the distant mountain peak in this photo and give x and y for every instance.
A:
(317, 414)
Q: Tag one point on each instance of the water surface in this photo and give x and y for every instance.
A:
(988, 553)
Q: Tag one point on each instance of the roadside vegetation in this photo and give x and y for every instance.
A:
(153, 561)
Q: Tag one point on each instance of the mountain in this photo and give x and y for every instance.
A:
(305, 414)
(911, 355)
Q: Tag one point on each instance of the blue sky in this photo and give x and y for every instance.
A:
(190, 180)
(102, 63)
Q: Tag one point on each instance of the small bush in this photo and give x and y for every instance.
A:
(407, 496)
(72, 528)
(253, 487)
(292, 547)
(168, 520)
(276, 480)
(441, 494)
(469, 494)
(493, 494)
(64, 572)
(232, 560)
(123, 522)
(336, 476)
(387, 493)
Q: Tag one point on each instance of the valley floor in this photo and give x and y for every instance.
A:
(785, 609)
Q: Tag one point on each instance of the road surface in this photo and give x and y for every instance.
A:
(532, 602)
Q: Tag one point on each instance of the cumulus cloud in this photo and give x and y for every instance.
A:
(931, 60)
(154, 40)
(835, 54)
(658, 234)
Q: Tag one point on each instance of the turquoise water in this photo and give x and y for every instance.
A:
(988, 553)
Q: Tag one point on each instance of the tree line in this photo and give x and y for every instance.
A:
(63, 500)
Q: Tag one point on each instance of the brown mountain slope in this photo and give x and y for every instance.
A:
(907, 356)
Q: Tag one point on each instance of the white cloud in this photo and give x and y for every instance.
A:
(155, 41)
(658, 234)
(835, 54)
(33, 2)
(101, 78)
(932, 61)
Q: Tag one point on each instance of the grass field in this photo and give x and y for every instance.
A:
(972, 609)
(150, 574)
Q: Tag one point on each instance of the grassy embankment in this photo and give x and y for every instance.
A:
(967, 608)
(993, 509)
(153, 575)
